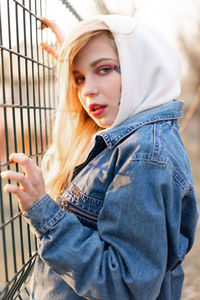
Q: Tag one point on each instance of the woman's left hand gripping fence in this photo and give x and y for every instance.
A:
(27, 98)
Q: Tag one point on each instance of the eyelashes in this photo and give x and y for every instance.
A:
(78, 80)
(103, 70)
(107, 69)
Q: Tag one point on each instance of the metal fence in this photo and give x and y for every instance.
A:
(27, 99)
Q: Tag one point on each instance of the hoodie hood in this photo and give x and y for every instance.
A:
(150, 66)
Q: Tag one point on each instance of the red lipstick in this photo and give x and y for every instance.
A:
(96, 109)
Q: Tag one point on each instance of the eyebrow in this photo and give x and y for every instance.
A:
(94, 63)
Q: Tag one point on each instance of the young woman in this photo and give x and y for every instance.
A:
(125, 212)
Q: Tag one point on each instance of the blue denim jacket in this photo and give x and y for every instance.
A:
(125, 223)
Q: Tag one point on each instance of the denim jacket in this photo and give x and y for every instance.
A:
(125, 223)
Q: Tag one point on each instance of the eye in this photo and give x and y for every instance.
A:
(104, 70)
(79, 79)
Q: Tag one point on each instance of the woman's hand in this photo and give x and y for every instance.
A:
(60, 37)
(31, 184)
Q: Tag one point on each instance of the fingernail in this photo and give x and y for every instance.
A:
(3, 174)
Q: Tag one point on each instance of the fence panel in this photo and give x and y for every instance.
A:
(27, 98)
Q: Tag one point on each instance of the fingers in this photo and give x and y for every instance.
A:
(31, 185)
(27, 164)
(11, 188)
(60, 37)
(54, 27)
(23, 201)
(51, 50)
(46, 23)
(15, 176)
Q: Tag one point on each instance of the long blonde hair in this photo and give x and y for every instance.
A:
(73, 128)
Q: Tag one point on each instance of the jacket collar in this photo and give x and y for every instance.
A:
(169, 111)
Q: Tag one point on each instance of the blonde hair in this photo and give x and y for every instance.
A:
(73, 128)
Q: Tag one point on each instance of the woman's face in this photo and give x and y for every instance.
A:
(97, 76)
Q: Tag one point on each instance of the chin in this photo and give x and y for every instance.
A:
(103, 125)
(104, 122)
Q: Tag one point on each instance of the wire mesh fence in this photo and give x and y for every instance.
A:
(27, 99)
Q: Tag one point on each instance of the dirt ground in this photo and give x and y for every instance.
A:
(191, 287)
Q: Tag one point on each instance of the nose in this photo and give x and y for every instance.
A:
(90, 88)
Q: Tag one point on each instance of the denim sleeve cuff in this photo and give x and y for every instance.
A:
(43, 215)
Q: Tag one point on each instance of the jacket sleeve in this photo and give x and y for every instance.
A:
(127, 257)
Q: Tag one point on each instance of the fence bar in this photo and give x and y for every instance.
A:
(6, 135)
(38, 78)
(21, 123)
(23, 56)
(33, 85)
(26, 106)
(50, 75)
(44, 81)
(20, 271)
(3, 236)
(70, 7)
(26, 9)
(33, 155)
(28, 111)
(4, 224)
(15, 140)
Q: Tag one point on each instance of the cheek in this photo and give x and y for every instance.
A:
(119, 90)
(118, 85)
(114, 85)
(83, 100)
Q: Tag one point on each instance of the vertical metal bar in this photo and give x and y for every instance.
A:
(38, 82)
(44, 85)
(53, 64)
(34, 96)
(33, 84)
(26, 76)
(14, 131)
(28, 109)
(50, 71)
(21, 122)
(3, 234)
(1, 196)
(38, 72)
(6, 145)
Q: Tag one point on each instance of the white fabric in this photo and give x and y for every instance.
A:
(150, 66)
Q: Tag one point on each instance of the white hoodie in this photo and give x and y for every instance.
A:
(150, 66)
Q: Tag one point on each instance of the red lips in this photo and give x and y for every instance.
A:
(95, 106)
(96, 109)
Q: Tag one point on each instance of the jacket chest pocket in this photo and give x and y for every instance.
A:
(84, 207)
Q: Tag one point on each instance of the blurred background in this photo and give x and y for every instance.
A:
(28, 97)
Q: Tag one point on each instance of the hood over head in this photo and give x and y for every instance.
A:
(150, 66)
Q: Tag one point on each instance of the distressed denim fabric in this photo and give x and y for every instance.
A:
(125, 223)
